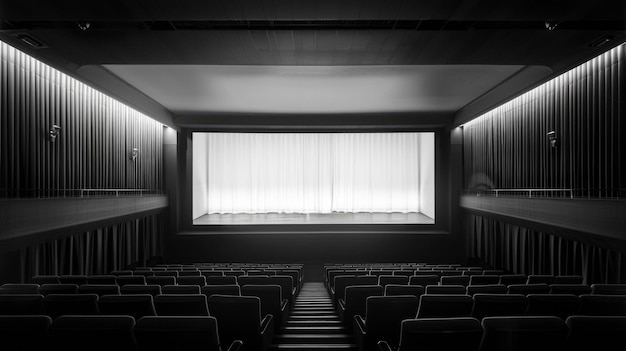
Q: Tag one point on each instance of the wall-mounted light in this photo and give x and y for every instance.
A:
(552, 138)
(133, 154)
(54, 132)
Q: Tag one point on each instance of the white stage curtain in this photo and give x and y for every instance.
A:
(312, 172)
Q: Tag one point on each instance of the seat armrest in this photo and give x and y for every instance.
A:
(359, 325)
(235, 345)
(342, 305)
(383, 346)
(284, 304)
(267, 322)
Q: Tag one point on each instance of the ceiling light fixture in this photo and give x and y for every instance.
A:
(551, 25)
(29, 40)
(83, 25)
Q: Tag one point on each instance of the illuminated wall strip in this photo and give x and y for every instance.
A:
(508, 147)
(92, 148)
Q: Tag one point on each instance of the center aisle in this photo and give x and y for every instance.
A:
(314, 324)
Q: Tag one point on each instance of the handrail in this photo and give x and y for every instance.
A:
(116, 191)
(530, 191)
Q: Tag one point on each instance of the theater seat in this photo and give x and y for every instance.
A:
(152, 289)
(431, 334)
(354, 301)
(180, 289)
(181, 305)
(45, 279)
(394, 290)
(523, 333)
(180, 333)
(239, 318)
(226, 289)
(488, 305)
(424, 280)
(93, 332)
(446, 289)
(130, 279)
(19, 288)
(559, 305)
(576, 289)
(606, 333)
(136, 305)
(382, 320)
(57, 305)
(61, 288)
(21, 304)
(272, 302)
(24, 332)
(99, 289)
(602, 305)
(608, 289)
(445, 305)
(525, 289)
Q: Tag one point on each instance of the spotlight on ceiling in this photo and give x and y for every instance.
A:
(551, 25)
(83, 25)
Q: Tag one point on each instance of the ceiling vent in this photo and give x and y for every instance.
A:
(30, 41)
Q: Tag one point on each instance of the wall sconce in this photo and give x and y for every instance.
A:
(54, 132)
(552, 138)
(133, 154)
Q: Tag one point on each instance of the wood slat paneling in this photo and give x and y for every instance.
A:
(508, 147)
(92, 148)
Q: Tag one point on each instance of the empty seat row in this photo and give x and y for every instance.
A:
(509, 333)
(113, 332)
(479, 305)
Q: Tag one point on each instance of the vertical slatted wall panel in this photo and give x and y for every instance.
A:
(508, 146)
(93, 146)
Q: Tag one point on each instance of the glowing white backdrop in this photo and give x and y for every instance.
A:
(313, 172)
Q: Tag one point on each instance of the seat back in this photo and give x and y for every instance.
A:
(181, 305)
(424, 280)
(508, 279)
(568, 279)
(180, 289)
(356, 298)
(384, 316)
(455, 280)
(161, 280)
(130, 279)
(486, 289)
(19, 288)
(602, 305)
(559, 305)
(460, 333)
(608, 289)
(238, 318)
(184, 333)
(21, 304)
(271, 299)
(525, 289)
(102, 279)
(198, 280)
(61, 288)
(384, 280)
(286, 284)
(394, 289)
(540, 278)
(57, 305)
(77, 279)
(45, 279)
(523, 333)
(221, 280)
(24, 332)
(487, 305)
(152, 289)
(93, 332)
(99, 289)
(226, 289)
(484, 279)
(445, 305)
(446, 289)
(576, 289)
(595, 332)
(136, 305)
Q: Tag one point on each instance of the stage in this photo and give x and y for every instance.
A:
(313, 218)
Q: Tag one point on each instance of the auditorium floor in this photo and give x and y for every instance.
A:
(314, 218)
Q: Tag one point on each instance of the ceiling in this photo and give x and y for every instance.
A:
(190, 63)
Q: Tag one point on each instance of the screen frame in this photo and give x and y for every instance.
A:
(442, 198)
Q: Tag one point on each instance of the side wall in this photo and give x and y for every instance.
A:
(509, 148)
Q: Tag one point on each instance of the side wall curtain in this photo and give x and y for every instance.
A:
(525, 251)
(122, 246)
